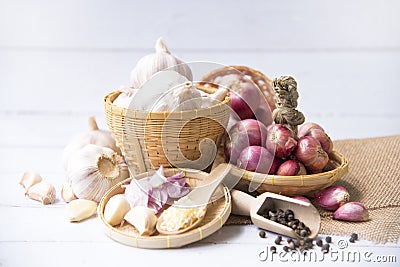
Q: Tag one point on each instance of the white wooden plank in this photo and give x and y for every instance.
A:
(207, 24)
(329, 83)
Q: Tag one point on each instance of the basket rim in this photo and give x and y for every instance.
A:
(265, 178)
(144, 114)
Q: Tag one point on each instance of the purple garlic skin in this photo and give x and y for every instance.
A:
(352, 212)
(331, 198)
(301, 198)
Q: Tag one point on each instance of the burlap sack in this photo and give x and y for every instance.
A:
(374, 180)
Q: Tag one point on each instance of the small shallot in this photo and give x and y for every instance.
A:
(332, 197)
(352, 211)
(280, 141)
(307, 127)
(311, 154)
(323, 138)
(256, 159)
(291, 168)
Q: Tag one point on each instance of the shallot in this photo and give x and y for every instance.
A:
(280, 141)
(332, 197)
(311, 154)
(323, 138)
(256, 159)
(243, 134)
(352, 211)
(291, 168)
(307, 127)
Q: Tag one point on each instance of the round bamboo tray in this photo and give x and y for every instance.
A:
(336, 168)
(212, 78)
(151, 139)
(218, 211)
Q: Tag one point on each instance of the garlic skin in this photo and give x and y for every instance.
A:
(352, 212)
(153, 63)
(115, 209)
(332, 197)
(124, 99)
(67, 194)
(94, 136)
(143, 219)
(93, 170)
(43, 192)
(80, 209)
(29, 179)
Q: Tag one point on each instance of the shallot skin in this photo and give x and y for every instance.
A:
(331, 198)
(307, 127)
(255, 158)
(352, 212)
(280, 141)
(310, 153)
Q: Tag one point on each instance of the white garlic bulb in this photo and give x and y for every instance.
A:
(153, 63)
(93, 136)
(93, 170)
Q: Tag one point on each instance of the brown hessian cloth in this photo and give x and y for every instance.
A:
(374, 180)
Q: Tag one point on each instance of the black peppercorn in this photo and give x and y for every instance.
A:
(325, 248)
(328, 239)
(273, 249)
(278, 240)
(354, 236)
(286, 248)
(319, 242)
(261, 234)
(352, 240)
(296, 243)
(308, 240)
(303, 233)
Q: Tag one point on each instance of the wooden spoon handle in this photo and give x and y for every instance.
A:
(241, 202)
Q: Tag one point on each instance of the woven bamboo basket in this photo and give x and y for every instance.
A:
(217, 214)
(336, 168)
(144, 136)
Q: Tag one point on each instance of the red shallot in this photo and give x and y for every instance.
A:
(332, 197)
(256, 159)
(280, 141)
(307, 127)
(352, 211)
(311, 154)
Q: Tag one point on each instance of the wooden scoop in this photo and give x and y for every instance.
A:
(197, 198)
(244, 204)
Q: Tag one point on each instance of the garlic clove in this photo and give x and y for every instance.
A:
(352, 211)
(80, 209)
(29, 179)
(143, 219)
(43, 192)
(66, 193)
(332, 197)
(115, 209)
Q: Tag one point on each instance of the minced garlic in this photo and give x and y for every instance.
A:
(175, 218)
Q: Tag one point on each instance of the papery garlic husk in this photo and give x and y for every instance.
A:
(93, 170)
(153, 63)
(80, 209)
(143, 219)
(43, 192)
(29, 179)
(332, 197)
(124, 99)
(66, 193)
(352, 212)
(115, 209)
(94, 136)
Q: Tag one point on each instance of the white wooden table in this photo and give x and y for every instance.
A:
(59, 59)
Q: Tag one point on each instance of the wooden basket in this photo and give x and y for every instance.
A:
(212, 78)
(217, 213)
(143, 136)
(336, 168)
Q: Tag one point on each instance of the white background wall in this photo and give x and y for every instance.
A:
(58, 59)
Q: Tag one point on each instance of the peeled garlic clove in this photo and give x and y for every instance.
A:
(43, 192)
(116, 208)
(80, 209)
(29, 179)
(67, 194)
(332, 197)
(143, 219)
(352, 211)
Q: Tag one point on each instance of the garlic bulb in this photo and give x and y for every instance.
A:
(95, 169)
(93, 136)
(124, 99)
(43, 192)
(143, 219)
(29, 179)
(153, 63)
